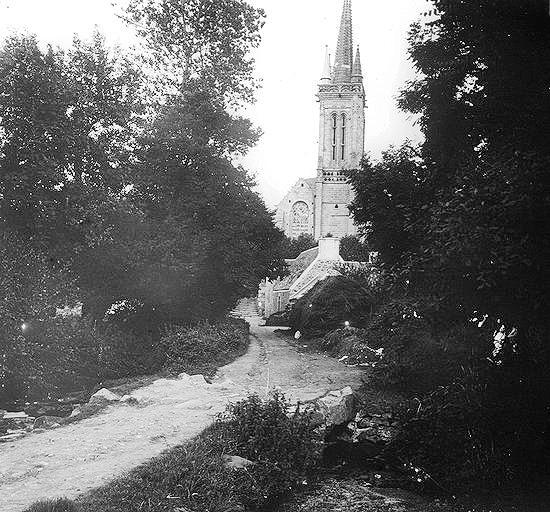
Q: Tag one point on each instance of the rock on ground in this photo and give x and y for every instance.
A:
(104, 395)
(338, 407)
(236, 462)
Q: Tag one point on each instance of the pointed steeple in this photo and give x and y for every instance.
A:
(357, 74)
(344, 52)
(327, 74)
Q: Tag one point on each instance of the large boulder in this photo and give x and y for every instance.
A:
(104, 396)
(337, 407)
(198, 381)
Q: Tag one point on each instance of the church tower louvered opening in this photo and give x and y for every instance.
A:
(341, 98)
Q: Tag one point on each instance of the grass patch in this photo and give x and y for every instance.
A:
(193, 477)
(60, 505)
(205, 347)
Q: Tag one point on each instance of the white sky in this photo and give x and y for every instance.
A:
(289, 62)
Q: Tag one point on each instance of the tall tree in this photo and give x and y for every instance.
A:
(33, 106)
(201, 50)
(201, 44)
(473, 213)
(68, 123)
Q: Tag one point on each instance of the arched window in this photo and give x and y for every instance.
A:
(343, 141)
(334, 128)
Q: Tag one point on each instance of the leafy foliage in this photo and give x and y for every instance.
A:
(66, 126)
(29, 293)
(388, 195)
(201, 44)
(462, 224)
(283, 446)
(57, 355)
(351, 297)
(354, 249)
(205, 347)
(125, 186)
(476, 430)
(293, 247)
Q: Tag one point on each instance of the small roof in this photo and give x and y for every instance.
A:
(296, 268)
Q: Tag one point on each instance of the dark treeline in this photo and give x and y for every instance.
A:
(118, 189)
(461, 226)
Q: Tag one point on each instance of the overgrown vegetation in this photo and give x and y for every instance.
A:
(59, 356)
(118, 191)
(282, 447)
(293, 247)
(461, 227)
(205, 347)
(335, 301)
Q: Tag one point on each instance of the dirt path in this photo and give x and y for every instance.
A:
(73, 459)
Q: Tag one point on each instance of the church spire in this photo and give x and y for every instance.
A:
(357, 74)
(344, 52)
(327, 74)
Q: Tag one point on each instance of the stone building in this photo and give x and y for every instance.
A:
(319, 206)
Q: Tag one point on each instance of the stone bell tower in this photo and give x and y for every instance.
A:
(341, 133)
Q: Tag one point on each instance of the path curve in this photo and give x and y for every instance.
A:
(73, 459)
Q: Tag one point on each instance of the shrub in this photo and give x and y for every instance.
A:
(283, 446)
(352, 297)
(292, 247)
(488, 426)
(416, 357)
(60, 355)
(204, 347)
(279, 319)
(352, 343)
(353, 249)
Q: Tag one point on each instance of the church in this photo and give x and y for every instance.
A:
(319, 206)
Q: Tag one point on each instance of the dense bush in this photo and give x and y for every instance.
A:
(475, 432)
(352, 296)
(205, 347)
(354, 249)
(57, 356)
(417, 356)
(474, 414)
(462, 219)
(61, 355)
(292, 247)
(414, 355)
(282, 447)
